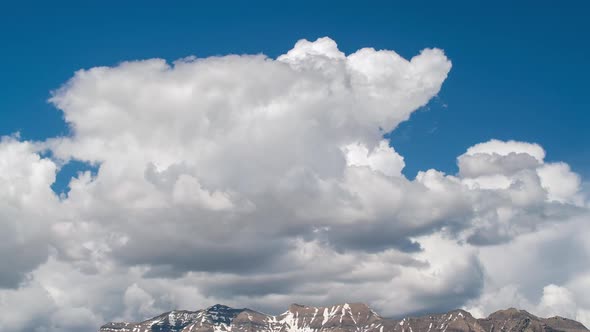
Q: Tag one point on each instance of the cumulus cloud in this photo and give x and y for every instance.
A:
(543, 272)
(254, 181)
(25, 200)
(383, 158)
(497, 164)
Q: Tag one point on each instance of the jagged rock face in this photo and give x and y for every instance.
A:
(353, 317)
(453, 321)
(215, 318)
(345, 316)
(514, 320)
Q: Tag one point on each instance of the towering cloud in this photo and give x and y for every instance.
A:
(255, 181)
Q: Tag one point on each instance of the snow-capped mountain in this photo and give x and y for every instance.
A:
(347, 317)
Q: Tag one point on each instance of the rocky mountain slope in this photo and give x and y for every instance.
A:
(348, 317)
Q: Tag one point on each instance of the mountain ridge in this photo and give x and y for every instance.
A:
(346, 317)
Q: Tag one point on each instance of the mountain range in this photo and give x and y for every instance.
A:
(347, 317)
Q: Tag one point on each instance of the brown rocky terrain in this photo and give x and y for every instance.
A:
(348, 317)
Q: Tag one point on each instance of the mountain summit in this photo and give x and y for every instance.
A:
(347, 317)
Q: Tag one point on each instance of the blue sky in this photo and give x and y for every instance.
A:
(519, 71)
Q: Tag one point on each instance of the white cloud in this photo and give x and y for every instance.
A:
(383, 158)
(506, 148)
(543, 271)
(561, 183)
(558, 300)
(26, 200)
(253, 181)
(138, 303)
(187, 190)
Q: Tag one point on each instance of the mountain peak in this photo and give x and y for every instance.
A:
(345, 317)
(511, 312)
(295, 307)
(218, 307)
